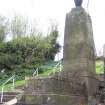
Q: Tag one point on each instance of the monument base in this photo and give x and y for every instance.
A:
(51, 99)
(52, 91)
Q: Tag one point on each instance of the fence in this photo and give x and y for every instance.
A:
(3, 86)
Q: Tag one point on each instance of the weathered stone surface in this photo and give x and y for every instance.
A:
(55, 90)
(52, 99)
(79, 59)
(55, 85)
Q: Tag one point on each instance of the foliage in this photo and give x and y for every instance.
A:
(99, 67)
(19, 26)
(3, 28)
(27, 51)
(46, 69)
(17, 84)
(52, 40)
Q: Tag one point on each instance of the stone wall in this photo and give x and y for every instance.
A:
(55, 85)
(52, 99)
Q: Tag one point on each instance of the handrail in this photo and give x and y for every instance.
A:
(60, 67)
(13, 84)
(56, 66)
(35, 72)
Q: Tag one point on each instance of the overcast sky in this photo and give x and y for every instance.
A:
(47, 11)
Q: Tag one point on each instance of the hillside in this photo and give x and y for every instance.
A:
(47, 69)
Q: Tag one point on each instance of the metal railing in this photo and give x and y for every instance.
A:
(55, 69)
(13, 85)
(35, 72)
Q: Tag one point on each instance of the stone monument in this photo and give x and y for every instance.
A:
(79, 58)
(77, 82)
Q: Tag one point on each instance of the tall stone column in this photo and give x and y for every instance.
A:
(79, 58)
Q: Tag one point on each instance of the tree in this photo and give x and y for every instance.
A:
(27, 48)
(52, 39)
(19, 26)
(3, 28)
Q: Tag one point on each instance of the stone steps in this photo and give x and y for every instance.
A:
(7, 96)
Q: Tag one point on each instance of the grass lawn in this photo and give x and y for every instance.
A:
(50, 70)
(46, 73)
(99, 67)
(8, 87)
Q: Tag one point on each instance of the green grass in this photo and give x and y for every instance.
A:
(46, 73)
(48, 69)
(99, 67)
(8, 87)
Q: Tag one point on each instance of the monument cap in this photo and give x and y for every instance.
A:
(78, 2)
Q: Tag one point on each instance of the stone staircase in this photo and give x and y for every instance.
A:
(8, 96)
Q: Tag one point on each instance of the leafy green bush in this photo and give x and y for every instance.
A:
(99, 67)
(28, 51)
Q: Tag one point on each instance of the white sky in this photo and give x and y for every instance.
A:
(45, 11)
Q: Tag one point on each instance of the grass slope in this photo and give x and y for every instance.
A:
(48, 69)
(99, 67)
(9, 87)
